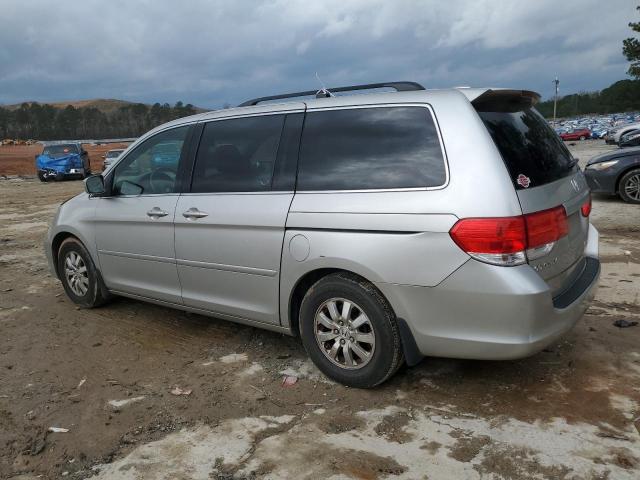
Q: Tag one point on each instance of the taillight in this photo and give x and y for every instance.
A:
(511, 240)
(546, 226)
(585, 209)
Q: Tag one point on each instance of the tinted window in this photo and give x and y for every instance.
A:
(370, 148)
(237, 155)
(152, 167)
(527, 143)
(61, 150)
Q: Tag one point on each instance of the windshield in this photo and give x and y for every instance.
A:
(114, 153)
(60, 150)
(527, 143)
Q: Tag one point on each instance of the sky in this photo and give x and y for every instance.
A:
(210, 53)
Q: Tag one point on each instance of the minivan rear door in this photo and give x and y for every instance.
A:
(545, 176)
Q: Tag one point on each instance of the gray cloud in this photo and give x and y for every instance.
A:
(208, 53)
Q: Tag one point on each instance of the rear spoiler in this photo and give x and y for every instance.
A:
(498, 99)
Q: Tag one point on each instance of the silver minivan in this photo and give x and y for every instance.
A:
(379, 227)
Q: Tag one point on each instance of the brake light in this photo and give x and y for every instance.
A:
(585, 209)
(546, 226)
(510, 240)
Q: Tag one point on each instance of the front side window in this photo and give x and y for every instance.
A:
(237, 155)
(370, 148)
(152, 167)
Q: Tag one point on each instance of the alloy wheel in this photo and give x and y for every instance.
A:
(344, 333)
(76, 274)
(632, 187)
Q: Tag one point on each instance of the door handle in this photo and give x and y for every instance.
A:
(193, 214)
(156, 212)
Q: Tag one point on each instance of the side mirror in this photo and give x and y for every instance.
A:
(94, 185)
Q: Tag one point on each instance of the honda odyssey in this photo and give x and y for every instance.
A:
(380, 228)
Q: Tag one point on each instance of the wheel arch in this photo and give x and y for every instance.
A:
(302, 285)
(57, 241)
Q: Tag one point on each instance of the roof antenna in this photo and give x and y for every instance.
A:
(323, 92)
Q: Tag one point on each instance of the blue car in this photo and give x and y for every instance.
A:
(64, 160)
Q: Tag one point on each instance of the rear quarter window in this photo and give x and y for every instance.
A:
(370, 148)
(527, 144)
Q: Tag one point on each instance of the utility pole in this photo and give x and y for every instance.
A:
(555, 100)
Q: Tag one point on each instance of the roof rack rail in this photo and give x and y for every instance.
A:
(399, 87)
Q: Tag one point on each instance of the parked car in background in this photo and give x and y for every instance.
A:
(362, 233)
(616, 173)
(614, 135)
(630, 139)
(110, 157)
(576, 134)
(598, 133)
(63, 160)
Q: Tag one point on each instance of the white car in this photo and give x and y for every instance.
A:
(110, 157)
(613, 137)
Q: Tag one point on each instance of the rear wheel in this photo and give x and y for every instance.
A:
(630, 186)
(582, 137)
(80, 278)
(41, 176)
(350, 332)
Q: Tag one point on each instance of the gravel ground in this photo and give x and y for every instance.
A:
(106, 376)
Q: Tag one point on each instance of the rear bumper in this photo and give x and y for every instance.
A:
(493, 313)
(53, 173)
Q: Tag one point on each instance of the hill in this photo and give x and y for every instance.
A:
(96, 118)
(622, 96)
(106, 105)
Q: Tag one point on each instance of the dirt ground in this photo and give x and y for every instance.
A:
(106, 375)
(20, 159)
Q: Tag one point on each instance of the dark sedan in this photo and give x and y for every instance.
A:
(616, 172)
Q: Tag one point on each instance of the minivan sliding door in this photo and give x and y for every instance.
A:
(229, 228)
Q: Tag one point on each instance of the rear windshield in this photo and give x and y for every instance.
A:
(60, 150)
(527, 143)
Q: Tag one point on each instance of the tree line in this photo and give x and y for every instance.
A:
(46, 122)
(622, 96)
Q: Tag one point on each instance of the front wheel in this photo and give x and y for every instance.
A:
(630, 186)
(350, 332)
(80, 278)
(582, 137)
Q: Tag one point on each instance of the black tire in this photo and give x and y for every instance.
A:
(96, 293)
(626, 184)
(41, 176)
(387, 354)
(582, 137)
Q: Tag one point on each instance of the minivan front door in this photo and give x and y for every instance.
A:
(134, 225)
(230, 227)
